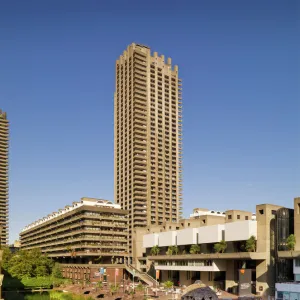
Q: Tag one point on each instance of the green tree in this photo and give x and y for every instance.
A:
(220, 247)
(195, 249)
(6, 257)
(170, 250)
(56, 271)
(28, 263)
(175, 249)
(99, 284)
(139, 287)
(114, 288)
(168, 284)
(291, 242)
(155, 250)
(251, 244)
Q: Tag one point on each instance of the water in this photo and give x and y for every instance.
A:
(25, 296)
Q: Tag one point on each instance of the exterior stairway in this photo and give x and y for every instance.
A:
(141, 275)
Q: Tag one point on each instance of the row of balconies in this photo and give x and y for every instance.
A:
(61, 228)
(62, 239)
(81, 247)
(4, 131)
(79, 232)
(88, 253)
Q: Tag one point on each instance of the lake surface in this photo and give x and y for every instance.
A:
(25, 296)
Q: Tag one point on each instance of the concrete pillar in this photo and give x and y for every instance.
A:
(230, 275)
(297, 222)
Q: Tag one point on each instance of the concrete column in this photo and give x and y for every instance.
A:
(230, 278)
(297, 222)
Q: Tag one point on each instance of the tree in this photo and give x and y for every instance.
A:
(220, 247)
(155, 250)
(168, 284)
(251, 244)
(56, 271)
(114, 288)
(175, 249)
(291, 242)
(139, 287)
(195, 249)
(27, 263)
(170, 250)
(6, 257)
(99, 284)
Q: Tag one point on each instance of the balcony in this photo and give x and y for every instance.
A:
(213, 256)
(289, 254)
(200, 265)
(84, 253)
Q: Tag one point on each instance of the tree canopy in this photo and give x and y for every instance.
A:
(27, 263)
(220, 247)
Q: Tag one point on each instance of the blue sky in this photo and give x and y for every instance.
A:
(239, 61)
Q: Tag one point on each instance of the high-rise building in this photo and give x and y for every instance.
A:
(148, 129)
(4, 144)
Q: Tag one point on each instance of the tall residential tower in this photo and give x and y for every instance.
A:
(4, 132)
(148, 137)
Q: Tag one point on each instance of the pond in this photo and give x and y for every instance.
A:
(26, 296)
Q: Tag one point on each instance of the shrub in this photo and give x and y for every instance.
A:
(220, 247)
(291, 242)
(168, 284)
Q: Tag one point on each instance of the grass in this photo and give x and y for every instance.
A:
(54, 295)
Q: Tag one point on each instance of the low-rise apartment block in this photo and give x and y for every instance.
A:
(251, 246)
(86, 235)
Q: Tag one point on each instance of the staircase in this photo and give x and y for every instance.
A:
(141, 275)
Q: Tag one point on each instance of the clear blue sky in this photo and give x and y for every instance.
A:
(239, 61)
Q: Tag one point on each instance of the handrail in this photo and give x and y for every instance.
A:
(142, 275)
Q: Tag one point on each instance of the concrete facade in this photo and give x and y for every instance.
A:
(235, 227)
(147, 138)
(92, 231)
(4, 151)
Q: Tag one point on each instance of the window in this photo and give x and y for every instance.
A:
(229, 217)
(238, 217)
(261, 211)
(246, 218)
(297, 262)
(188, 275)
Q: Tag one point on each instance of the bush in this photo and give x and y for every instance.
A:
(291, 242)
(56, 271)
(37, 282)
